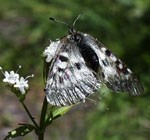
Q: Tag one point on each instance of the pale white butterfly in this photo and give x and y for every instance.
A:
(78, 64)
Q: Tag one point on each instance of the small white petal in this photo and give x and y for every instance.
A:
(10, 78)
(22, 79)
(26, 86)
(12, 72)
(22, 84)
(6, 74)
(5, 80)
(22, 90)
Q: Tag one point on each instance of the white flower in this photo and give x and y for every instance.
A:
(50, 51)
(22, 85)
(11, 77)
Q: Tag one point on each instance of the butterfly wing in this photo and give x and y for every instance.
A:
(69, 79)
(114, 73)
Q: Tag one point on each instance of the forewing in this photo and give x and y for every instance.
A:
(69, 79)
(114, 73)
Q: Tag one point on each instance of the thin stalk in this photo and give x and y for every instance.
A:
(29, 114)
(42, 120)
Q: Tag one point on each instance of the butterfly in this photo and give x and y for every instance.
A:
(78, 65)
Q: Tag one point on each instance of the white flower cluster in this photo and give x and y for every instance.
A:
(13, 79)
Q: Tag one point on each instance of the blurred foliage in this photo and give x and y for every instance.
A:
(122, 25)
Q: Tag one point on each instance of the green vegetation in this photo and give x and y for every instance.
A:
(122, 25)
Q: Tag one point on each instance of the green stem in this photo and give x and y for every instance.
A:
(29, 114)
(42, 120)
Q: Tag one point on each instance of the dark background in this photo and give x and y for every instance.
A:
(122, 25)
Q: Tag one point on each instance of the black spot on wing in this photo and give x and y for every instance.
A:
(103, 75)
(118, 62)
(78, 65)
(60, 69)
(105, 62)
(63, 58)
(89, 56)
(108, 52)
(60, 79)
(125, 71)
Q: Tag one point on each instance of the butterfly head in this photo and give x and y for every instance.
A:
(73, 34)
(72, 30)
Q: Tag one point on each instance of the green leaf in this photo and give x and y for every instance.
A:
(20, 131)
(59, 111)
(56, 112)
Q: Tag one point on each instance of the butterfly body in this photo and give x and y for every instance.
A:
(78, 65)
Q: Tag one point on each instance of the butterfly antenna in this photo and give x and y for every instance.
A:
(76, 19)
(55, 20)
